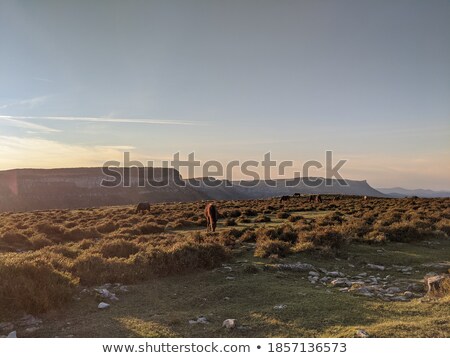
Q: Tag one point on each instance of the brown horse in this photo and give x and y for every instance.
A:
(211, 214)
(284, 198)
(318, 198)
(142, 207)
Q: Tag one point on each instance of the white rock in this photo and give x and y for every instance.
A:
(361, 333)
(13, 334)
(201, 320)
(103, 305)
(229, 323)
(313, 273)
(376, 267)
(279, 307)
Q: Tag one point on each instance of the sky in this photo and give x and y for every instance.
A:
(83, 81)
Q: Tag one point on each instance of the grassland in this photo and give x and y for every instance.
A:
(51, 262)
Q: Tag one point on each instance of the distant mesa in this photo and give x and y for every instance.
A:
(69, 188)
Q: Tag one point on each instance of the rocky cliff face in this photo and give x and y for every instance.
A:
(41, 189)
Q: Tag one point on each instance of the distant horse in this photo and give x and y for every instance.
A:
(365, 197)
(297, 195)
(142, 207)
(311, 198)
(318, 199)
(284, 198)
(211, 214)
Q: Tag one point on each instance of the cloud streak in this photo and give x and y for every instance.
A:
(106, 120)
(27, 125)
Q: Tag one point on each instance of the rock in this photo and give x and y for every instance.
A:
(12, 334)
(103, 305)
(123, 289)
(393, 290)
(408, 294)
(438, 265)
(29, 320)
(279, 307)
(230, 323)
(313, 273)
(341, 282)
(229, 278)
(226, 298)
(298, 266)
(376, 267)
(199, 320)
(335, 274)
(31, 329)
(361, 333)
(325, 279)
(415, 287)
(399, 299)
(6, 326)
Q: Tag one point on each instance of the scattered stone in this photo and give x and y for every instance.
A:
(313, 273)
(393, 290)
(229, 278)
(279, 307)
(31, 329)
(415, 287)
(438, 265)
(335, 274)
(230, 323)
(199, 320)
(376, 267)
(325, 279)
(361, 333)
(341, 282)
(408, 294)
(6, 326)
(29, 320)
(103, 305)
(123, 289)
(12, 334)
(298, 266)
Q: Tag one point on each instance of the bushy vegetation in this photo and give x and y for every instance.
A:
(45, 255)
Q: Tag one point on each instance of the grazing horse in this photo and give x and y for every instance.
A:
(211, 214)
(311, 198)
(284, 198)
(142, 207)
(297, 195)
(318, 198)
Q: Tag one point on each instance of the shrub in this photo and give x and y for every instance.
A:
(283, 215)
(32, 286)
(262, 219)
(117, 248)
(266, 248)
(250, 212)
(147, 229)
(323, 238)
(230, 222)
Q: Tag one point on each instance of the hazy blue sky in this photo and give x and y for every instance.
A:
(229, 80)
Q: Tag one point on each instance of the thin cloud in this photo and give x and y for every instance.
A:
(27, 125)
(107, 120)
